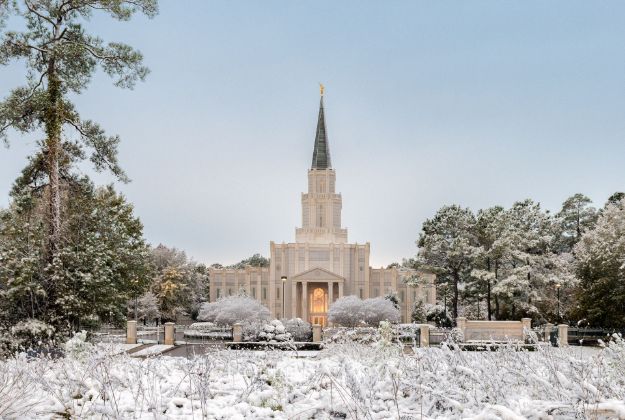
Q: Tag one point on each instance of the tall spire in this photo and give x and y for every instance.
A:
(321, 152)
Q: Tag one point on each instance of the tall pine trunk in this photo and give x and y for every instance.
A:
(456, 294)
(488, 290)
(53, 124)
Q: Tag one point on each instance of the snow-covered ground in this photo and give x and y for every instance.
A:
(343, 381)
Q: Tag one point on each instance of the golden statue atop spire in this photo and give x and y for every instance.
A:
(321, 88)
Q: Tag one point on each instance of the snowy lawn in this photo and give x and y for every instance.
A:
(352, 380)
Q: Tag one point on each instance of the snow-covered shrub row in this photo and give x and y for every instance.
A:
(229, 310)
(274, 332)
(362, 335)
(351, 311)
(207, 330)
(352, 380)
(28, 334)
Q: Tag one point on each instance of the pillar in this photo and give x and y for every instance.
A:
(316, 333)
(293, 299)
(548, 328)
(305, 301)
(170, 333)
(461, 323)
(131, 332)
(527, 327)
(330, 292)
(563, 335)
(237, 333)
(340, 289)
(424, 335)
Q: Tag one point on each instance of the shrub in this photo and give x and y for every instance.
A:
(274, 331)
(350, 311)
(232, 309)
(299, 329)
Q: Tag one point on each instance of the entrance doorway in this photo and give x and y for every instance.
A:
(319, 306)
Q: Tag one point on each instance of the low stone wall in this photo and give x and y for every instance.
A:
(494, 330)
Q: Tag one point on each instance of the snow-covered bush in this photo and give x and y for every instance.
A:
(418, 314)
(274, 331)
(78, 347)
(229, 310)
(207, 330)
(31, 334)
(437, 315)
(350, 311)
(299, 329)
(360, 335)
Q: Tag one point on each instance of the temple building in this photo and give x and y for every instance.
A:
(321, 266)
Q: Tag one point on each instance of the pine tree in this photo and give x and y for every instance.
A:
(61, 57)
(600, 267)
(448, 246)
(576, 217)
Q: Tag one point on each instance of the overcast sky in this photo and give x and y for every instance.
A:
(427, 103)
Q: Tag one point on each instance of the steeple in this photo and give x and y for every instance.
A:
(321, 152)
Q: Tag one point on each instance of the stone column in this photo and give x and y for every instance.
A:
(340, 289)
(131, 332)
(527, 327)
(424, 335)
(330, 292)
(237, 333)
(293, 299)
(548, 328)
(563, 335)
(169, 333)
(305, 300)
(461, 323)
(316, 333)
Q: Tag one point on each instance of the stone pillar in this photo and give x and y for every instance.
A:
(131, 332)
(424, 335)
(293, 299)
(461, 323)
(527, 327)
(563, 335)
(170, 333)
(340, 289)
(305, 301)
(316, 333)
(548, 328)
(237, 333)
(330, 293)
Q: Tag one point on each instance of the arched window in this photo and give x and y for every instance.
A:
(319, 301)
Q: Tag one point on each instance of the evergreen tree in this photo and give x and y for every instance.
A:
(101, 261)
(448, 246)
(600, 267)
(61, 57)
(576, 217)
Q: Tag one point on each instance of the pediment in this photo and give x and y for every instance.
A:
(317, 274)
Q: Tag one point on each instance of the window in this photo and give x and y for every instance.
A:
(264, 293)
(229, 292)
(254, 292)
(375, 293)
(414, 295)
(427, 296)
(360, 293)
(218, 293)
(277, 293)
(401, 296)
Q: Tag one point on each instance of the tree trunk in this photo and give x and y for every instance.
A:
(53, 123)
(456, 294)
(496, 297)
(488, 290)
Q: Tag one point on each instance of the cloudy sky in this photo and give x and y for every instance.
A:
(427, 103)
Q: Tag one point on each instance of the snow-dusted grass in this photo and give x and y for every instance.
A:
(361, 381)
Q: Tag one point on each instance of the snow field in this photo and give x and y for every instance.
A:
(374, 381)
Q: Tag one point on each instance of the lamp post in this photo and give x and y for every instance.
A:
(136, 283)
(558, 285)
(283, 306)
